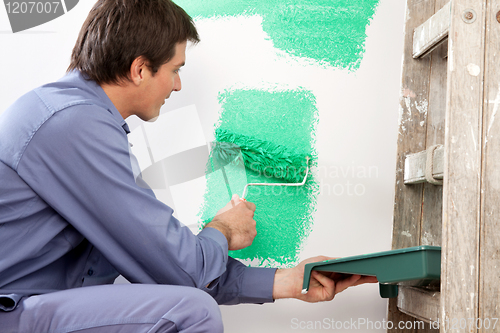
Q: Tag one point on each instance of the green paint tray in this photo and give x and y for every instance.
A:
(415, 266)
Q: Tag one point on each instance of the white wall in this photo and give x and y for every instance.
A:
(357, 131)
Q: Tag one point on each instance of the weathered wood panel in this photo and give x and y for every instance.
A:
(489, 286)
(432, 32)
(411, 139)
(419, 303)
(463, 142)
(412, 134)
(432, 207)
(415, 166)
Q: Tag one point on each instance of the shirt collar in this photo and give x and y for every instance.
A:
(97, 89)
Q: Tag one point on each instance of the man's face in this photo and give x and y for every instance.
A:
(158, 88)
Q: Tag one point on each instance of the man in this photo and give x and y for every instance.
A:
(73, 216)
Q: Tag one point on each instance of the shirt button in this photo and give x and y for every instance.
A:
(90, 272)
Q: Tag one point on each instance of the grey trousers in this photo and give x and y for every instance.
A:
(124, 308)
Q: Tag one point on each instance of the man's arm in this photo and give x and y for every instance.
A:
(78, 162)
(260, 285)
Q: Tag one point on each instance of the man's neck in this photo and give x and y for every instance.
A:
(122, 97)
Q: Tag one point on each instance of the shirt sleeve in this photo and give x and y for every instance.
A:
(242, 284)
(79, 163)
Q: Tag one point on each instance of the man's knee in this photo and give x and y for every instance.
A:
(197, 312)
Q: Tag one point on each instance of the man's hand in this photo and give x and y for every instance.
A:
(323, 285)
(236, 222)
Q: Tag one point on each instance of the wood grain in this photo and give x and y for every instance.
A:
(462, 185)
(427, 307)
(489, 288)
(432, 32)
(432, 207)
(415, 166)
(411, 139)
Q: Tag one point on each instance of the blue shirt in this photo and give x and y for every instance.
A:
(72, 214)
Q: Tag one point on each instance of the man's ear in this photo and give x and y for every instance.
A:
(138, 70)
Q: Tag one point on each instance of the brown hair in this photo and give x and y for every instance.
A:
(116, 32)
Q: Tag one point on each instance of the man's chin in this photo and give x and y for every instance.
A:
(152, 120)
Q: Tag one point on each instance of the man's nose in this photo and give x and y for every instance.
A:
(177, 83)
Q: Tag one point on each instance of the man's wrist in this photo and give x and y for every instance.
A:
(222, 228)
(283, 284)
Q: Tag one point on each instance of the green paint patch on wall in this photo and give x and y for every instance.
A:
(331, 32)
(284, 214)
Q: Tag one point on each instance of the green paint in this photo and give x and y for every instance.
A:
(264, 157)
(284, 214)
(329, 31)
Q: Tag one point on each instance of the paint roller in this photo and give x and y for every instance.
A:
(264, 157)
